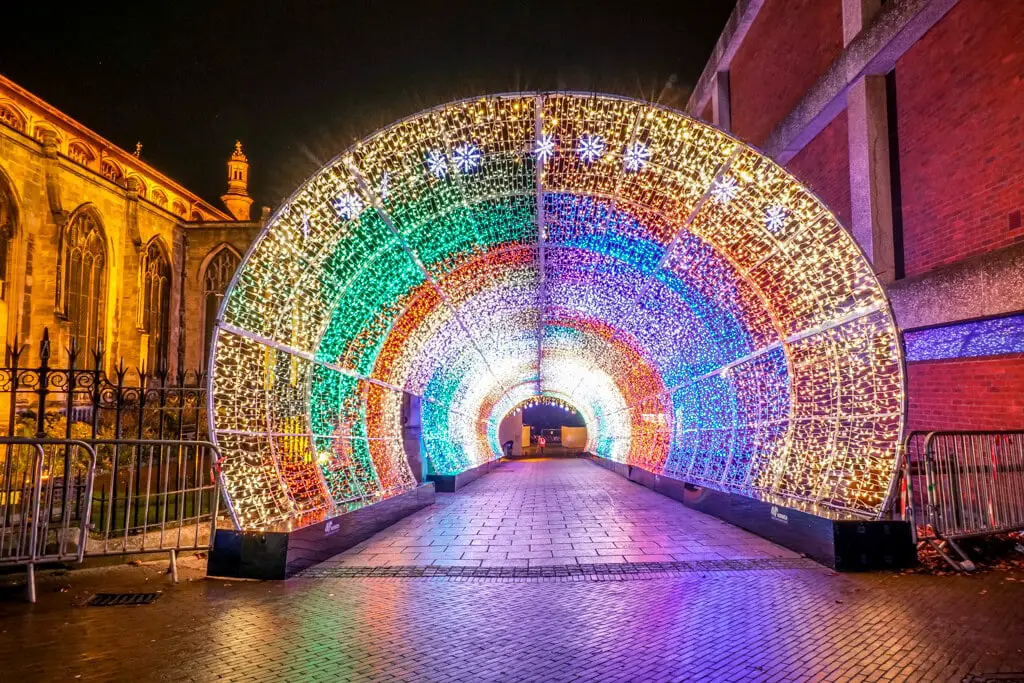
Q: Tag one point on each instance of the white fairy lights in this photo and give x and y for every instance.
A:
(707, 315)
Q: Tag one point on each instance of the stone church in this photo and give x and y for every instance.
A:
(104, 250)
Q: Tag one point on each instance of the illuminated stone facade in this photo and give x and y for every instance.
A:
(100, 247)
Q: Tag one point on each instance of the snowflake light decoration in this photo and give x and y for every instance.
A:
(437, 163)
(348, 205)
(544, 148)
(775, 217)
(725, 190)
(637, 156)
(591, 148)
(443, 290)
(467, 157)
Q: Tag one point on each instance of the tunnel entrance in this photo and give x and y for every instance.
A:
(707, 314)
(558, 422)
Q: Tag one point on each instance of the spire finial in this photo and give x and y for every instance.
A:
(237, 199)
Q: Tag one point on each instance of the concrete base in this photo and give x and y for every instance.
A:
(842, 545)
(450, 483)
(277, 555)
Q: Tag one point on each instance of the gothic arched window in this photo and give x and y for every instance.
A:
(8, 223)
(155, 313)
(84, 259)
(220, 268)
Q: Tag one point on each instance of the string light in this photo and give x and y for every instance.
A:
(550, 401)
(703, 311)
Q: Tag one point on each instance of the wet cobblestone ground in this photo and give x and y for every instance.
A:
(760, 617)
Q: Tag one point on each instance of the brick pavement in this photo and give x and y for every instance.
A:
(555, 512)
(756, 619)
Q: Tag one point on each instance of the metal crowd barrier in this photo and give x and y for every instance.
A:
(153, 496)
(124, 497)
(963, 484)
(43, 516)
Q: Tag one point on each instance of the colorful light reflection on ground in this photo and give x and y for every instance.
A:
(707, 314)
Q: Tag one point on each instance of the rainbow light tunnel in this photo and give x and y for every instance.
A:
(706, 313)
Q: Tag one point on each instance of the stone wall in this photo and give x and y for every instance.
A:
(49, 189)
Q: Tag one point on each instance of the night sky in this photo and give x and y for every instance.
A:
(551, 417)
(298, 81)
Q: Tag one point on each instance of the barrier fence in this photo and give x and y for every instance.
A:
(962, 484)
(154, 496)
(152, 486)
(63, 500)
(41, 519)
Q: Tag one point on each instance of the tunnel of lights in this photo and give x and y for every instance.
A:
(708, 316)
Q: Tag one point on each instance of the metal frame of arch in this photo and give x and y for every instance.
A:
(711, 318)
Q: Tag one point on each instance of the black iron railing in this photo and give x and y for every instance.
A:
(79, 400)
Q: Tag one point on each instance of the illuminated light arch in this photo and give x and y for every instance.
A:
(707, 313)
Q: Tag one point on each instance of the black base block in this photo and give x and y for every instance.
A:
(450, 483)
(843, 545)
(280, 554)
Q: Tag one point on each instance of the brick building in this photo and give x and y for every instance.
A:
(102, 249)
(907, 118)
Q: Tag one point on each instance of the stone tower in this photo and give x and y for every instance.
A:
(237, 199)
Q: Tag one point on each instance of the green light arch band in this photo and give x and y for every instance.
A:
(705, 311)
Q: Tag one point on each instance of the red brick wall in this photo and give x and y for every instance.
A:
(790, 45)
(960, 99)
(967, 393)
(824, 165)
